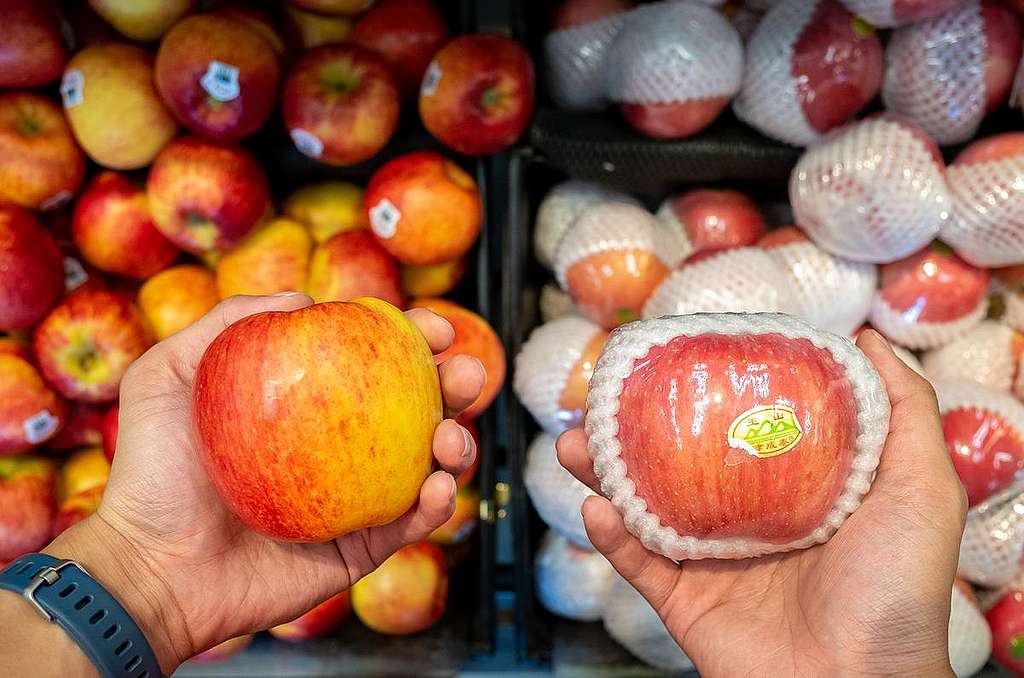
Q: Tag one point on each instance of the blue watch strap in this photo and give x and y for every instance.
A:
(63, 592)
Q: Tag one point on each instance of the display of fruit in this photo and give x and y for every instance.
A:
(571, 582)
(560, 208)
(989, 354)
(969, 637)
(327, 208)
(256, 19)
(336, 458)
(423, 208)
(77, 507)
(33, 51)
(82, 428)
(556, 495)
(406, 594)
(460, 527)
(810, 67)
(713, 220)
(30, 412)
(142, 20)
(334, 7)
(432, 280)
(633, 623)
(114, 82)
(177, 297)
(314, 30)
(477, 93)
(407, 34)
(28, 503)
(673, 407)
(340, 104)
(273, 258)
(993, 542)
(218, 76)
(1006, 621)
(83, 470)
(890, 13)
(31, 270)
(353, 264)
(319, 621)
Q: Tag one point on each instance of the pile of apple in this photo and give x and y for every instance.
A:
(129, 208)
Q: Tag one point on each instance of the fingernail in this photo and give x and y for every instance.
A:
(877, 337)
(467, 439)
(482, 370)
(453, 490)
(286, 294)
(451, 328)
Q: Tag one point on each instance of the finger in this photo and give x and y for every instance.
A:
(454, 447)
(654, 576)
(573, 455)
(439, 332)
(462, 379)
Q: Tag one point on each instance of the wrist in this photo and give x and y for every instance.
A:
(119, 566)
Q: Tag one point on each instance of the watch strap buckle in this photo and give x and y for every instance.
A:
(46, 576)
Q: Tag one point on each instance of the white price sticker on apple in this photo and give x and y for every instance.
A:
(307, 143)
(39, 427)
(384, 218)
(431, 79)
(74, 274)
(72, 88)
(221, 81)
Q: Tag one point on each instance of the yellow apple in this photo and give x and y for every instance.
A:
(142, 20)
(275, 258)
(327, 208)
(174, 299)
(84, 470)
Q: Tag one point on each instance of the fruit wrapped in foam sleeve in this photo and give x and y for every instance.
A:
(576, 61)
(969, 638)
(571, 582)
(556, 495)
(993, 542)
(634, 624)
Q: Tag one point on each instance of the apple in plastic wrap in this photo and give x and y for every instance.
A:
(571, 582)
(734, 435)
(890, 13)
(708, 219)
(989, 354)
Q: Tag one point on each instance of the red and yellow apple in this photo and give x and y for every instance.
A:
(313, 30)
(407, 34)
(84, 470)
(474, 337)
(1002, 30)
(30, 412)
(28, 503)
(174, 299)
(714, 219)
(33, 51)
(256, 19)
(477, 94)
(114, 231)
(87, 343)
(423, 208)
(108, 432)
(334, 7)
(31, 270)
(340, 104)
(273, 258)
(406, 594)
(340, 435)
(82, 428)
(15, 343)
(463, 522)
(1006, 621)
(327, 208)
(77, 507)
(142, 20)
(41, 167)
(353, 264)
(218, 76)
(319, 621)
(433, 280)
(112, 105)
(204, 195)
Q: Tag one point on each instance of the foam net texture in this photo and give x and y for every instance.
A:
(882, 13)
(769, 98)
(634, 624)
(576, 61)
(559, 209)
(970, 641)
(871, 191)
(935, 74)
(983, 355)
(555, 303)
(571, 582)
(544, 364)
(555, 493)
(987, 224)
(993, 543)
(632, 342)
(672, 52)
(903, 329)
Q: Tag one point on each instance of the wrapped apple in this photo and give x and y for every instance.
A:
(989, 355)
(571, 582)
(891, 13)
(633, 623)
(561, 207)
(709, 219)
(734, 435)
(555, 493)
(970, 640)
(1006, 621)
(992, 547)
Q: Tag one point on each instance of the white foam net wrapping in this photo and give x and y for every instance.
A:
(993, 542)
(970, 640)
(830, 292)
(986, 227)
(633, 623)
(769, 98)
(555, 303)
(555, 493)
(674, 51)
(1014, 314)
(667, 215)
(576, 61)
(633, 341)
(905, 330)
(571, 582)
(935, 73)
(544, 365)
(983, 355)
(871, 191)
(559, 209)
(886, 13)
(746, 279)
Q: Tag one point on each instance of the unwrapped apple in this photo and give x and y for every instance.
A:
(319, 621)
(406, 594)
(28, 502)
(31, 270)
(30, 411)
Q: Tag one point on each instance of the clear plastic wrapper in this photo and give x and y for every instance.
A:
(988, 355)
(708, 219)
(555, 303)
(612, 258)
(674, 67)
(810, 66)
(553, 371)
(929, 298)
(633, 623)
(734, 435)
(993, 542)
(571, 582)
(577, 61)
(555, 493)
(987, 223)
(830, 292)
(892, 13)
(559, 209)
(874, 191)
(970, 641)
(742, 280)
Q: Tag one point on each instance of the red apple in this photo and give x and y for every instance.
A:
(711, 219)
(1006, 620)
(406, 594)
(742, 435)
(224, 651)
(475, 337)
(40, 165)
(353, 264)
(174, 299)
(218, 76)
(256, 19)
(87, 343)
(28, 502)
(114, 231)
(273, 258)
(990, 149)
(406, 34)
(77, 508)
(30, 412)
(82, 428)
(477, 94)
(423, 208)
(339, 459)
(206, 196)
(569, 13)
(433, 280)
(16, 345)
(31, 48)
(142, 20)
(334, 7)
(674, 120)
(340, 104)
(311, 30)
(462, 524)
(108, 432)
(1002, 31)
(319, 621)
(31, 270)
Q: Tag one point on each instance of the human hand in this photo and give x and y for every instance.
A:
(201, 576)
(873, 600)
